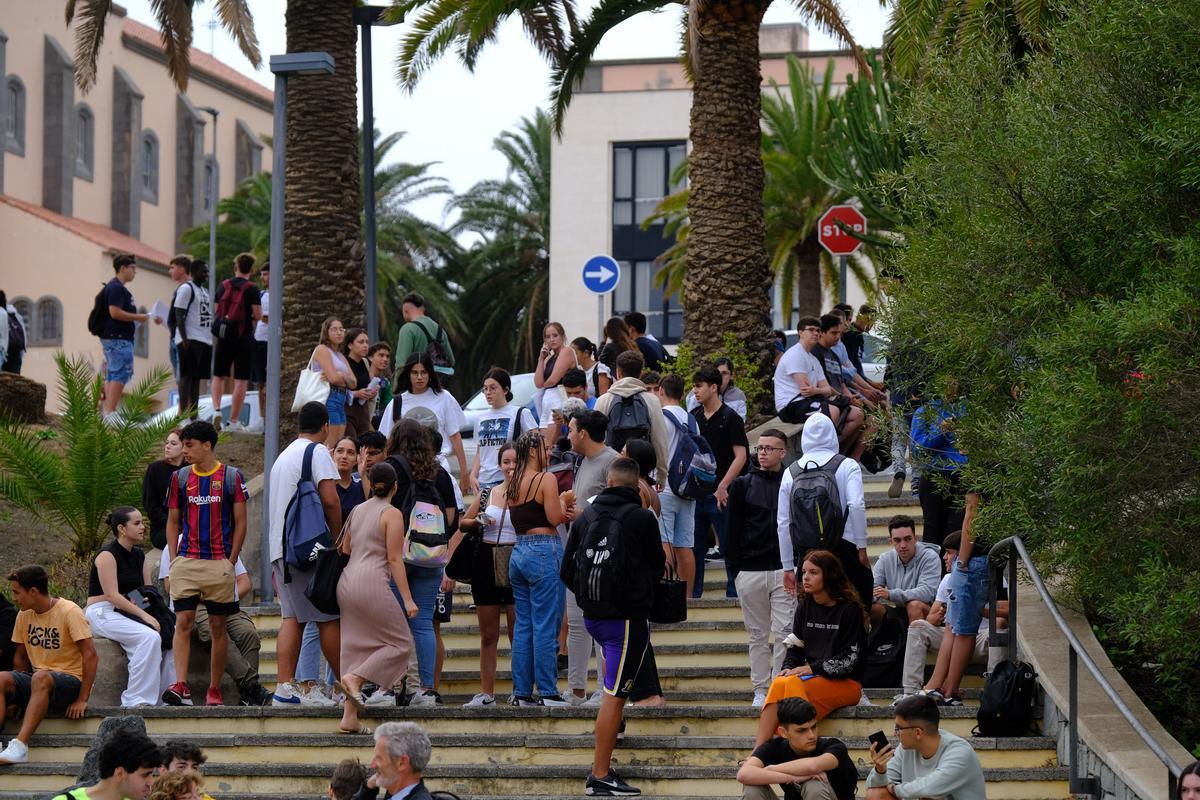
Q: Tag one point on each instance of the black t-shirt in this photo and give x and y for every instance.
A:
(832, 365)
(653, 352)
(115, 294)
(853, 339)
(843, 779)
(129, 569)
(724, 430)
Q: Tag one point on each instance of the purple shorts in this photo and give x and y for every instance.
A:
(624, 642)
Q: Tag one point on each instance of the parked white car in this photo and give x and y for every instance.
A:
(249, 416)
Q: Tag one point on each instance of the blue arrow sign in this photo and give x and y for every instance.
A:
(601, 274)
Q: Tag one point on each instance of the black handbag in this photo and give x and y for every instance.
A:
(151, 600)
(670, 600)
(322, 586)
(461, 565)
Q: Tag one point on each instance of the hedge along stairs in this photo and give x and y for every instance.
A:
(690, 748)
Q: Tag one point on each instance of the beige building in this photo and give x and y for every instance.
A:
(625, 132)
(126, 168)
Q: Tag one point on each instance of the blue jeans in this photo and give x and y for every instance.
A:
(118, 353)
(968, 596)
(707, 513)
(423, 582)
(308, 667)
(174, 354)
(538, 599)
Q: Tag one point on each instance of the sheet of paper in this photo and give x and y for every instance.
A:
(159, 311)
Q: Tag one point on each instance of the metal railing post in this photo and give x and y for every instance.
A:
(1012, 608)
(1078, 785)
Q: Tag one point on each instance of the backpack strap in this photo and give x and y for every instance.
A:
(181, 478)
(437, 331)
(516, 432)
(306, 467)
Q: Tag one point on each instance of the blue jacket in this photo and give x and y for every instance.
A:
(935, 446)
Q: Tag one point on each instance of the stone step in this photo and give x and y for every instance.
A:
(477, 780)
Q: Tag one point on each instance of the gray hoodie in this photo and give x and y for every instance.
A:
(628, 387)
(916, 580)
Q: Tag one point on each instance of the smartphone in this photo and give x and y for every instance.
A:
(879, 740)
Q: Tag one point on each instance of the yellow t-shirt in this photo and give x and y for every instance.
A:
(50, 638)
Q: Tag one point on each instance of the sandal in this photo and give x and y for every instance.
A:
(353, 698)
(363, 730)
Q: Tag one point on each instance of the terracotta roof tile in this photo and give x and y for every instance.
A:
(200, 61)
(112, 241)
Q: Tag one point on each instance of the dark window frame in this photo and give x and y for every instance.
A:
(149, 193)
(14, 109)
(34, 331)
(85, 142)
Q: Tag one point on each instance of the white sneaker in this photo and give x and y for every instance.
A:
(760, 699)
(255, 427)
(382, 698)
(897, 698)
(315, 697)
(864, 700)
(423, 698)
(235, 427)
(16, 753)
(481, 700)
(575, 699)
(594, 700)
(286, 694)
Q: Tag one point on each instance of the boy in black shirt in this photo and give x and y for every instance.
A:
(806, 766)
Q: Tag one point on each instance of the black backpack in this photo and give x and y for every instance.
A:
(16, 334)
(628, 418)
(1006, 705)
(818, 515)
(434, 344)
(885, 651)
(602, 564)
(99, 314)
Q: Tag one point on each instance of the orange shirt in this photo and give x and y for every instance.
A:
(50, 638)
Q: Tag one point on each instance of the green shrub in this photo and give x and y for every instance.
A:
(747, 371)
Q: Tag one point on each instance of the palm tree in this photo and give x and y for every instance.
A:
(245, 225)
(507, 293)
(728, 280)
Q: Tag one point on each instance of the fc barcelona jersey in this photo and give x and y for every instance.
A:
(206, 511)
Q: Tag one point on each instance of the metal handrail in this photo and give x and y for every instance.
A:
(1076, 652)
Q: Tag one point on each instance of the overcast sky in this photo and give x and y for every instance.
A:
(454, 115)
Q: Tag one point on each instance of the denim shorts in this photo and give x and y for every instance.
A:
(336, 405)
(677, 524)
(119, 355)
(968, 596)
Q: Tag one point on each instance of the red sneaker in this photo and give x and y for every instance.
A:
(213, 697)
(178, 695)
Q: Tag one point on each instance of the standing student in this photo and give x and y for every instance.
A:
(421, 334)
(731, 395)
(379, 362)
(155, 485)
(117, 335)
(358, 407)
(554, 359)
(652, 351)
(258, 368)
(629, 388)
(806, 766)
(193, 335)
(14, 336)
(619, 339)
(936, 451)
(753, 550)
(349, 483)
(238, 308)
(500, 425)
(599, 376)
(725, 433)
(678, 513)
(206, 529)
(621, 627)
(327, 359)
(969, 590)
(177, 270)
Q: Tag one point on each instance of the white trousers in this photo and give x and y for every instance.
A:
(767, 609)
(580, 645)
(923, 637)
(151, 669)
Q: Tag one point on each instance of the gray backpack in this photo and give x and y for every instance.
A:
(818, 514)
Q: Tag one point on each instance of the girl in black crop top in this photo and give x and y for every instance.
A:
(532, 494)
(117, 570)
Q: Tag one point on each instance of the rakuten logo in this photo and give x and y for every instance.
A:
(204, 501)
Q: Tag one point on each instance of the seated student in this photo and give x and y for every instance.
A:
(55, 662)
(906, 576)
(348, 779)
(126, 762)
(930, 633)
(926, 762)
(800, 385)
(181, 756)
(827, 649)
(806, 766)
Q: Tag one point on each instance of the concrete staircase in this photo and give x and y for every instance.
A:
(691, 748)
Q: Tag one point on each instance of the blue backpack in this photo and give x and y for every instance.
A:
(692, 468)
(305, 531)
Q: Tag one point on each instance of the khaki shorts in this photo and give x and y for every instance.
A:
(196, 580)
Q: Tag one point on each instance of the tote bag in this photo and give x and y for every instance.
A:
(311, 386)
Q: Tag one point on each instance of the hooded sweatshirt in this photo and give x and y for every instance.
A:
(916, 580)
(628, 387)
(752, 544)
(819, 444)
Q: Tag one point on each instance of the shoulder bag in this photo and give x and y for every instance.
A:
(311, 386)
(501, 553)
(322, 586)
(461, 565)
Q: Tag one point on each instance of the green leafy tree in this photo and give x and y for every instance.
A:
(244, 226)
(100, 465)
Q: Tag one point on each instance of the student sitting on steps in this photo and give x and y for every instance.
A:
(804, 765)
(926, 762)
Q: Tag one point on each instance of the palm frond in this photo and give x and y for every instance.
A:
(237, 20)
(89, 35)
(829, 17)
(175, 24)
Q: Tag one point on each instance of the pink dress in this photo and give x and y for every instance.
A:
(376, 640)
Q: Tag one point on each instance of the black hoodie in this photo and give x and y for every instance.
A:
(752, 544)
(644, 548)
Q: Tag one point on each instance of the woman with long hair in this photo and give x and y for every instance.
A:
(538, 594)
(598, 374)
(502, 423)
(554, 359)
(1189, 782)
(411, 455)
(488, 517)
(117, 571)
(349, 486)
(328, 360)
(358, 408)
(620, 339)
(376, 642)
(827, 649)
(420, 396)
(155, 485)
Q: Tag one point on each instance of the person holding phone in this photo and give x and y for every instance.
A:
(927, 762)
(804, 765)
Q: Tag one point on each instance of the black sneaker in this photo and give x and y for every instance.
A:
(951, 700)
(610, 785)
(621, 731)
(897, 484)
(253, 694)
(713, 554)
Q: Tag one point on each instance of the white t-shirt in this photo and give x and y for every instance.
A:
(672, 432)
(796, 360)
(260, 327)
(199, 313)
(443, 405)
(285, 473)
(491, 431)
(593, 377)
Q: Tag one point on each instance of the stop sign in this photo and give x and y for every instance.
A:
(835, 240)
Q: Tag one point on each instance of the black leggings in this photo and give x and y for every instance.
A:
(941, 504)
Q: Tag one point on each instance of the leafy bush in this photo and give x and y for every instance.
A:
(1051, 263)
(100, 466)
(747, 372)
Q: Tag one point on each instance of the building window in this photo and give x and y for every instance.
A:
(642, 178)
(47, 325)
(85, 142)
(141, 337)
(210, 172)
(639, 291)
(14, 116)
(148, 161)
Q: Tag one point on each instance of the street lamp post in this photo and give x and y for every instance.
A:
(213, 194)
(317, 63)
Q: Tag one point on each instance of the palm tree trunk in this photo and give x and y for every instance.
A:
(322, 248)
(809, 292)
(727, 287)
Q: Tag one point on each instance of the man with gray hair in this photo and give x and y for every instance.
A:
(402, 751)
